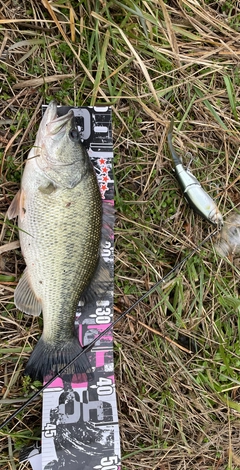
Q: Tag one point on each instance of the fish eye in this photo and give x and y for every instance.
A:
(74, 135)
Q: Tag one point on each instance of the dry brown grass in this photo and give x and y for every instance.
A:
(178, 409)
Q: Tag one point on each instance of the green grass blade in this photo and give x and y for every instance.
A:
(100, 68)
(231, 95)
(210, 108)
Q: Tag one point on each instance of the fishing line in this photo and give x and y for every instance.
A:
(90, 345)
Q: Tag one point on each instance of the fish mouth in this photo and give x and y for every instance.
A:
(56, 130)
(52, 124)
(52, 136)
(56, 126)
(51, 112)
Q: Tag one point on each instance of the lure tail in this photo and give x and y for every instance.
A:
(49, 359)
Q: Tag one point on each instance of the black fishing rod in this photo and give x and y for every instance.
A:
(90, 345)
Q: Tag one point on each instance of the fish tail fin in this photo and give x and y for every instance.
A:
(175, 157)
(48, 359)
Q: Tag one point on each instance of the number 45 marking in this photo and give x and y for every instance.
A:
(50, 430)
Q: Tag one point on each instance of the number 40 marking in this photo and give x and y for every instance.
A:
(104, 386)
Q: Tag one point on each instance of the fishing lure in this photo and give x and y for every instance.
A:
(195, 195)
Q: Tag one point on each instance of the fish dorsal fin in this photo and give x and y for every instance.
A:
(24, 297)
(17, 208)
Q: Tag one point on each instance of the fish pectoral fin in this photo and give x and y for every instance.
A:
(24, 297)
(17, 206)
(13, 210)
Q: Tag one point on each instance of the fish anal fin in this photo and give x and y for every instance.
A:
(24, 297)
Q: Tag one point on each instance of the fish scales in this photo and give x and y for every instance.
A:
(59, 211)
(66, 240)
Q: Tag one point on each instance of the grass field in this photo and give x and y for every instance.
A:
(178, 387)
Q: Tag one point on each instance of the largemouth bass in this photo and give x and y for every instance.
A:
(59, 213)
(194, 193)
